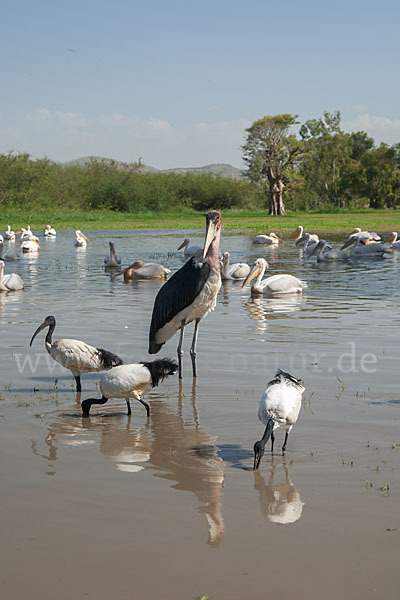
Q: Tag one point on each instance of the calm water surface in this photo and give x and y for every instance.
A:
(168, 507)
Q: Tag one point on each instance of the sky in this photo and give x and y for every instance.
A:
(176, 83)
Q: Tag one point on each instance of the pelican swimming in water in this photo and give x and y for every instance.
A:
(236, 271)
(9, 254)
(11, 282)
(75, 355)
(268, 240)
(80, 239)
(274, 285)
(30, 245)
(324, 254)
(369, 249)
(49, 231)
(131, 381)
(9, 234)
(298, 234)
(189, 250)
(189, 295)
(365, 236)
(141, 270)
(279, 408)
(112, 259)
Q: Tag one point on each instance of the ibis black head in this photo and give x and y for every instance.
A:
(259, 449)
(48, 322)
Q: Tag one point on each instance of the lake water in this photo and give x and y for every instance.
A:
(118, 507)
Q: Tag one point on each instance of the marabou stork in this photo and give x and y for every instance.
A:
(269, 240)
(279, 408)
(80, 239)
(49, 231)
(189, 250)
(11, 282)
(141, 270)
(131, 381)
(189, 294)
(112, 259)
(275, 285)
(75, 355)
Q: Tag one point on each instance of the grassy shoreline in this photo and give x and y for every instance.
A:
(233, 220)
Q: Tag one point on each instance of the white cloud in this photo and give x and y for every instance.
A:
(360, 107)
(65, 135)
(381, 129)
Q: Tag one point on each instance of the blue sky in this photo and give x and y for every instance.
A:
(176, 83)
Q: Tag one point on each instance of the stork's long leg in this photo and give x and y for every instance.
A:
(180, 351)
(193, 352)
(285, 442)
(78, 383)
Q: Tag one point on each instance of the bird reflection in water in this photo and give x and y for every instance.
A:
(261, 309)
(171, 443)
(281, 502)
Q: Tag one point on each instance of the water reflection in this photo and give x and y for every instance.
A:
(172, 444)
(280, 502)
(261, 309)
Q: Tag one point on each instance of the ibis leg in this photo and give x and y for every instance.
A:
(285, 442)
(180, 351)
(272, 442)
(147, 407)
(193, 352)
(129, 407)
(78, 383)
(86, 404)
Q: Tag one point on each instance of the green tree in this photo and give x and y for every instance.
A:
(269, 153)
(382, 176)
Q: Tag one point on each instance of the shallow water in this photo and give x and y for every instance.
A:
(168, 507)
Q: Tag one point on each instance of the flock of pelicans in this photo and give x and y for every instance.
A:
(188, 296)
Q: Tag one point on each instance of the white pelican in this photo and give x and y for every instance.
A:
(269, 240)
(112, 259)
(323, 254)
(75, 355)
(395, 245)
(236, 271)
(361, 248)
(279, 408)
(81, 239)
(131, 381)
(274, 285)
(189, 250)
(49, 231)
(141, 270)
(298, 233)
(27, 234)
(30, 245)
(9, 234)
(11, 282)
(1, 239)
(189, 294)
(365, 236)
(9, 255)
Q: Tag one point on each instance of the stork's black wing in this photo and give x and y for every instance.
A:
(175, 295)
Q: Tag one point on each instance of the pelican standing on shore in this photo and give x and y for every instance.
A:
(75, 355)
(131, 381)
(188, 295)
(279, 408)
(274, 285)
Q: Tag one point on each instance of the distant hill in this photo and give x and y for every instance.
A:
(218, 169)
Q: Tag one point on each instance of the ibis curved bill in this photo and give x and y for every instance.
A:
(279, 408)
(75, 355)
(189, 294)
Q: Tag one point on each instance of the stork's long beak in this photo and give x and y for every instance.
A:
(348, 243)
(295, 234)
(38, 330)
(183, 245)
(253, 273)
(317, 247)
(211, 232)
